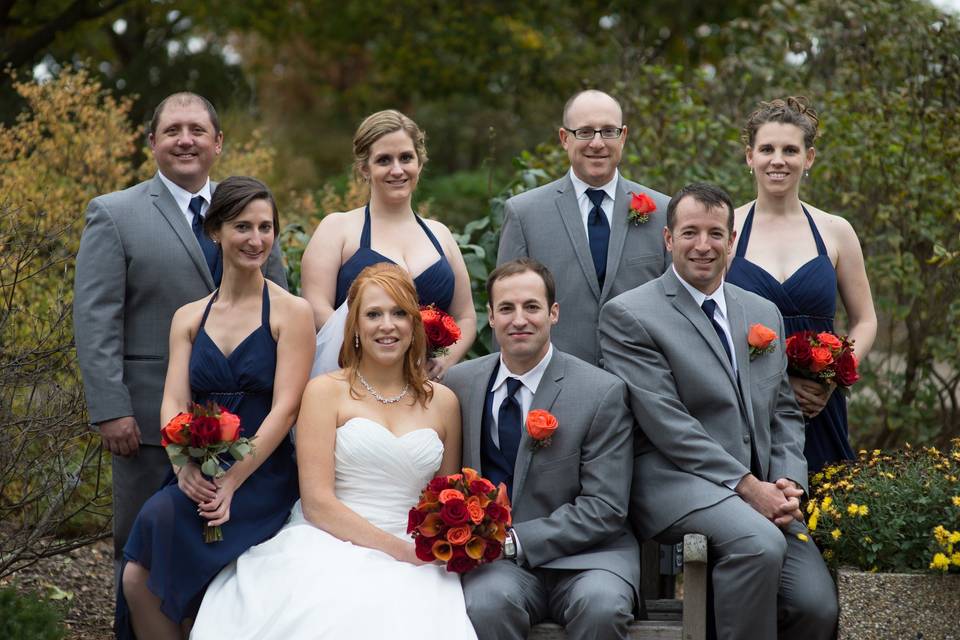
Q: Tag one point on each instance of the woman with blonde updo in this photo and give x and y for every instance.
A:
(389, 154)
(799, 257)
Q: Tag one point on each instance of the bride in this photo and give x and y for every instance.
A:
(370, 437)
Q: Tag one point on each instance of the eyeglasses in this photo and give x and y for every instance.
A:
(589, 133)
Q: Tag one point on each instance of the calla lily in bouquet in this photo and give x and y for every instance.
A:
(441, 329)
(203, 434)
(461, 520)
(824, 357)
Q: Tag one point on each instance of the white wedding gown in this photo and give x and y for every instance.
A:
(305, 583)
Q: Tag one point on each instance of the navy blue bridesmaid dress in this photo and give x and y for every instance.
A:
(167, 536)
(435, 284)
(807, 300)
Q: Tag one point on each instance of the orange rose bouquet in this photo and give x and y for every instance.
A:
(441, 329)
(824, 357)
(203, 434)
(461, 520)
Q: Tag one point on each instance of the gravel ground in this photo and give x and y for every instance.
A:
(81, 581)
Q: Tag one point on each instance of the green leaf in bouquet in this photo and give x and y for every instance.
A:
(210, 467)
(179, 459)
(240, 450)
(196, 452)
(174, 450)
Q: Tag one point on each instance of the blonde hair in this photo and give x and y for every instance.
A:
(795, 110)
(377, 125)
(398, 284)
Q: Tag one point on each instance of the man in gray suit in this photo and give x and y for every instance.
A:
(143, 254)
(579, 226)
(569, 556)
(719, 449)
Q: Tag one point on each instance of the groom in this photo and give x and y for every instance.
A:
(569, 557)
(721, 447)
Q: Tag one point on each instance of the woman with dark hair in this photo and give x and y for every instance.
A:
(389, 154)
(241, 347)
(369, 438)
(799, 257)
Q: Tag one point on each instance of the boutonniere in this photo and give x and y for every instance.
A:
(541, 425)
(761, 340)
(641, 206)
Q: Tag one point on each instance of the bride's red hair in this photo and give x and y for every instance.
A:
(398, 284)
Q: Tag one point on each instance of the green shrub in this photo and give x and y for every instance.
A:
(27, 617)
(895, 511)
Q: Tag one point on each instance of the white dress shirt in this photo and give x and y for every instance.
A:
(530, 381)
(720, 315)
(183, 197)
(586, 206)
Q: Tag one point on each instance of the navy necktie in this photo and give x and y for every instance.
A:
(207, 246)
(709, 306)
(508, 422)
(598, 231)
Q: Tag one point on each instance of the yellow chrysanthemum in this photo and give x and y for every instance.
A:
(836, 533)
(863, 510)
(876, 452)
(852, 508)
(812, 505)
(827, 502)
(955, 559)
(954, 537)
(812, 521)
(941, 535)
(956, 501)
(940, 562)
(817, 477)
(802, 537)
(830, 472)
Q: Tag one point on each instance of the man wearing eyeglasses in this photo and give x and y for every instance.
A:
(599, 233)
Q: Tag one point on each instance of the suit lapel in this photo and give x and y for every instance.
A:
(685, 304)
(472, 410)
(544, 398)
(164, 202)
(618, 234)
(736, 316)
(573, 222)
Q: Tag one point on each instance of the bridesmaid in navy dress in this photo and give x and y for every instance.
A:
(244, 348)
(389, 154)
(799, 257)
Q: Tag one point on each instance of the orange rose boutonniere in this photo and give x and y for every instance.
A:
(641, 206)
(541, 425)
(761, 340)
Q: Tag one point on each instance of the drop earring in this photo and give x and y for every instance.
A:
(806, 174)
(356, 341)
(750, 170)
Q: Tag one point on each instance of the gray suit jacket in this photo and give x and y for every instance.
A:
(545, 224)
(570, 498)
(696, 417)
(138, 263)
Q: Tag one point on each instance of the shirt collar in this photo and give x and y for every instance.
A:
(580, 187)
(699, 296)
(181, 195)
(531, 379)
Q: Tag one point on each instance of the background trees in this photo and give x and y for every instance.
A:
(487, 80)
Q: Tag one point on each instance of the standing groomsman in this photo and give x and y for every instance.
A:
(582, 226)
(569, 556)
(143, 255)
(720, 447)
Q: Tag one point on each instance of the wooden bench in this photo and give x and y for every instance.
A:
(667, 618)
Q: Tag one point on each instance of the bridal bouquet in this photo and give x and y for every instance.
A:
(461, 520)
(203, 434)
(824, 357)
(441, 329)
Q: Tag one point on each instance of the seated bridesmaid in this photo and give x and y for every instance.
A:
(799, 257)
(388, 156)
(247, 347)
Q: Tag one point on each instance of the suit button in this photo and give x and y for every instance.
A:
(600, 363)
(746, 437)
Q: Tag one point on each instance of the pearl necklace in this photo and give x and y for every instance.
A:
(379, 398)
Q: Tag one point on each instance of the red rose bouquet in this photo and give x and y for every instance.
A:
(441, 329)
(824, 357)
(203, 434)
(461, 520)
